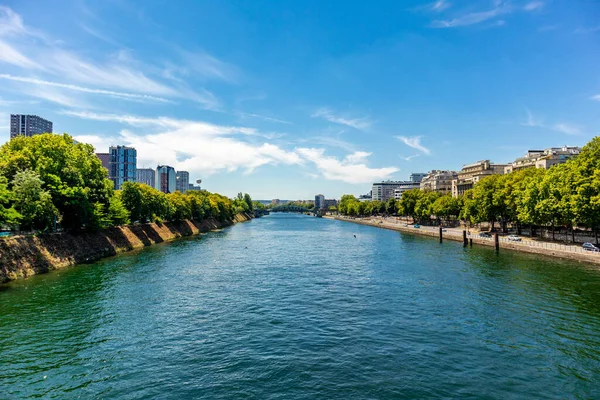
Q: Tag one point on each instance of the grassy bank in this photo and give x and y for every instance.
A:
(23, 256)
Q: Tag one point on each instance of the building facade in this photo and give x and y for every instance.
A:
(330, 203)
(28, 125)
(319, 202)
(383, 191)
(470, 174)
(543, 158)
(147, 176)
(438, 181)
(165, 179)
(191, 186)
(105, 159)
(182, 181)
(122, 165)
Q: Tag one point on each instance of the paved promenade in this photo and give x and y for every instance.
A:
(527, 245)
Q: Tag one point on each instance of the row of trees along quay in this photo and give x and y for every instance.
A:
(50, 182)
(566, 196)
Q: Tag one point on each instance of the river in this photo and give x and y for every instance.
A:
(296, 307)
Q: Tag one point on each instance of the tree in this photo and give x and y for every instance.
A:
(70, 171)
(181, 206)
(446, 207)
(408, 202)
(34, 203)
(390, 206)
(8, 215)
(249, 202)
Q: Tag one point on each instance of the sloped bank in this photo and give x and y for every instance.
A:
(23, 256)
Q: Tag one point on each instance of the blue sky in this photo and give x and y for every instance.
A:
(286, 99)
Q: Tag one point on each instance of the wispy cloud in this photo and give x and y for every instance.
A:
(568, 129)
(270, 119)
(118, 75)
(471, 18)
(440, 5)
(534, 5)
(532, 120)
(352, 169)
(130, 96)
(587, 30)
(356, 123)
(409, 157)
(595, 97)
(414, 142)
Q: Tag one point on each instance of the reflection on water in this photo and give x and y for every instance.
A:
(295, 307)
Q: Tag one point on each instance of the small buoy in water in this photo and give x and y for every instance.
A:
(354, 235)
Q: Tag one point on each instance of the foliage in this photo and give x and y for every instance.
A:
(34, 203)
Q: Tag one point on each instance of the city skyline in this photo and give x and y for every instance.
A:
(327, 109)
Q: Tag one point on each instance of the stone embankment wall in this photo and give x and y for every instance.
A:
(23, 256)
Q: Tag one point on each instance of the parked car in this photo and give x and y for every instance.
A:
(417, 225)
(485, 235)
(514, 238)
(590, 247)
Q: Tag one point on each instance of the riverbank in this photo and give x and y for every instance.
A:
(23, 256)
(574, 253)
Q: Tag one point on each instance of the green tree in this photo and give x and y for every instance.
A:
(181, 206)
(408, 202)
(8, 215)
(34, 203)
(70, 172)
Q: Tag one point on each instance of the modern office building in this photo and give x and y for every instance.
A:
(543, 158)
(319, 202)
(123, 165)
(182, 181)
(28, 125)
(470, 174)
(105, 159)
(383, 191)
(147, 176)
(191, 186)
(166, 179)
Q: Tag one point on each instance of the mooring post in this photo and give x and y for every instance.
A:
(465, 242)
(496, 241)
(471, 242)
(440, 234)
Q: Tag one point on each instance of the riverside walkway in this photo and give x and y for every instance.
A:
(528, 245)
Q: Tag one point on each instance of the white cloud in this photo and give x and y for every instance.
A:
(471, 18)
(409, 157)
(130, 96)
(347, 171)
(119, 75)
(595, 97)
(414, 142)
(270, 119)
(440, 5)
(532, 120)
(356, 123)
(567, 128)
(534, 5)
(204, 148)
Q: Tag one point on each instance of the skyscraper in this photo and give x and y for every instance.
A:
(165, 179)
(123, 163)
(146, 176)
(105, 159)
(28, 125)
(183, 181)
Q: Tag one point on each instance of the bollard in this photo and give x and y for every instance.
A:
(471, 242)
(465, 239)
(496, 241)
(440, 234)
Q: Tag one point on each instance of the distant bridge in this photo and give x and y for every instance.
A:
(290, 208)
